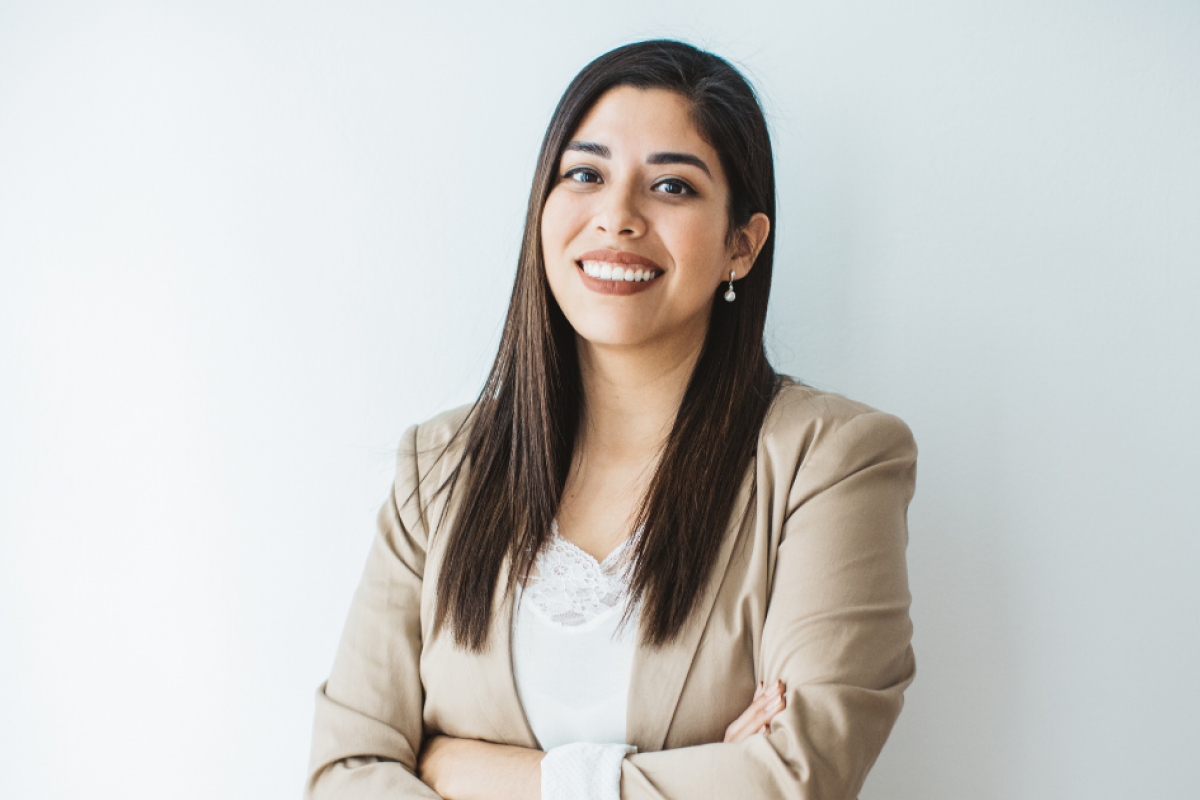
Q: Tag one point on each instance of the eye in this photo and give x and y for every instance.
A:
(582, 175)
(674, 186)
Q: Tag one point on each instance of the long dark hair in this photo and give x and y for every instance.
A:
(521, 431)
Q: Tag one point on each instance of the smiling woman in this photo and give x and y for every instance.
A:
(641, 564)
(647, 189)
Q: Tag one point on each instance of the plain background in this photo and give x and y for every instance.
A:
(245, 244)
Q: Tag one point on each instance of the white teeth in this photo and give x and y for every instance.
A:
(607, 271)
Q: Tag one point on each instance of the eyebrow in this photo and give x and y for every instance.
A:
(590, 147)
(678, 158)
(658, 159)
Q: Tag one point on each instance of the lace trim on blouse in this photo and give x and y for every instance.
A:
(570, 587)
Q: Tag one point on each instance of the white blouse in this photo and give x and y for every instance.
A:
(571, 662)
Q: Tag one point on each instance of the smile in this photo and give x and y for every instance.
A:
(617, 272)
(608, 271)
(611, 278)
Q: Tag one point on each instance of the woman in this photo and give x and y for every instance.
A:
(735, 623)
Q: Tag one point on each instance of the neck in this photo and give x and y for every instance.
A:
(631, 397)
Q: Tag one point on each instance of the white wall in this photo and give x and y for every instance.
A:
(244, 245)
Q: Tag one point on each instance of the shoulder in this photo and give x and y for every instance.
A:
(430, 450)
(828, 434)
(439, 431)
(425, 459)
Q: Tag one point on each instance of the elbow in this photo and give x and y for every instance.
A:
(830, 735)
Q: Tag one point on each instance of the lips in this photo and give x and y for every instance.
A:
(617, 271)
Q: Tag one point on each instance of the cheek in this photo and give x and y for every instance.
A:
(560, 220)
(550, 223)
(700, 243)
(557, 233)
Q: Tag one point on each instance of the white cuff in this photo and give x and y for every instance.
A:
(583, 771)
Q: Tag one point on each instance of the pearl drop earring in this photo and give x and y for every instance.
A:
(731, 295)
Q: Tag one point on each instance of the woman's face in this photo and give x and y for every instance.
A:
(638, 191)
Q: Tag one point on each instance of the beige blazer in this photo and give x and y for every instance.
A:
(810, 587)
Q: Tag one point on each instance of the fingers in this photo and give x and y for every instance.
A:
(766, 705)
(768, 701)
(772, 702)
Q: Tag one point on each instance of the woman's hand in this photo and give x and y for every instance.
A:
(757, 718)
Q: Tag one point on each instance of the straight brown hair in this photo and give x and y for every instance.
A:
(521, 431)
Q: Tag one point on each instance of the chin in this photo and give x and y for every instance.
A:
(612, 335)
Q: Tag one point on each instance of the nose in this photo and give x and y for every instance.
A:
(619, 214)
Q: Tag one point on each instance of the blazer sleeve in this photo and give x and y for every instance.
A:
(368, 727)
(837, 632)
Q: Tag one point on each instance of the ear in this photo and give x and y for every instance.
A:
(747, 245)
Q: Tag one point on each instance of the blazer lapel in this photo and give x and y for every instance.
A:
(657, 678)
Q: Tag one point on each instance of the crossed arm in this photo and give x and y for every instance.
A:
(468, 769)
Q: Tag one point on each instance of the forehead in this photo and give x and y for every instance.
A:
(637, 121)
